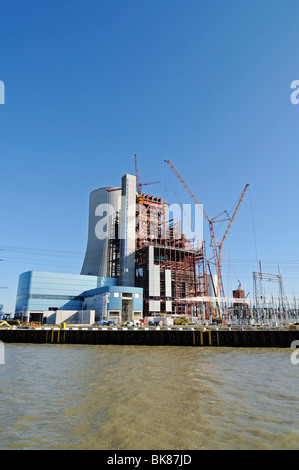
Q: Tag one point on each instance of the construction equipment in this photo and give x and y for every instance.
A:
(216, 245)
(32, 324)
(231, 222)
(204, 258)
(138, 184)
(211, 227)
(4, 323)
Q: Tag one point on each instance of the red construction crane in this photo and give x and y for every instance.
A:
(138, 184)
(216, 245)
(211, 227)
(231, 221)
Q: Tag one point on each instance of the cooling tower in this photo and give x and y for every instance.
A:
(96, 256)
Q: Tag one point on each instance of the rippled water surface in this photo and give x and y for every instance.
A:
(151, 398)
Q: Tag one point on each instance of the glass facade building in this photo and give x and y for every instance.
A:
(42, 292)
(39, 291)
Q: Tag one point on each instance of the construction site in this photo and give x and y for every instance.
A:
(139, 266)
(176, 276)
(197, 283)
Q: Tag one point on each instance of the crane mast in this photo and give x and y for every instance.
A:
(138, 184)
(231, 221)
(211, 227)
(216, 245)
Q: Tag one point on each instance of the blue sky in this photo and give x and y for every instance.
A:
(205, 84)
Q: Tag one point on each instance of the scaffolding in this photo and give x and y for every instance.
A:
(164, 258)
(113, 247)
(174, 255)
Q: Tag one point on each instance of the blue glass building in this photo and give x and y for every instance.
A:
(115, 302)
(42, 292)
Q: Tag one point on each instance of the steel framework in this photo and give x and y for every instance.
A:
(258, 278)
(172, 251)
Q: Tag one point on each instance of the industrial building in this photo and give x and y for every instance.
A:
(143, 249)
(58, 297)
(137, 263)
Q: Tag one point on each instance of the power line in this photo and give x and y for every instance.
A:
(43, 251)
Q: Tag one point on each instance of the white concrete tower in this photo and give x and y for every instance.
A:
(128, 231)
(101, 204)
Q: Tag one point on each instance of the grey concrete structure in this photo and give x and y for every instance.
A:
(86, 317)
(128, 231)
(154, 275)
(100, 229)
(49, 317)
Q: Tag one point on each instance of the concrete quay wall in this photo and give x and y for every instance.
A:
(282, 338)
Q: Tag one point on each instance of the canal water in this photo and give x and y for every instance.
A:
(148, 398)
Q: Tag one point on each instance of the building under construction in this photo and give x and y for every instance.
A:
(138, 263)
(146, 250)
(167, 266)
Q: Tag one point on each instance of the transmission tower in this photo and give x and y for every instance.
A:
(259, 277)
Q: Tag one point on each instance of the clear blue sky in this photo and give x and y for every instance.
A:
(205, 84)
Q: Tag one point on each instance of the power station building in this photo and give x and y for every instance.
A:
(137, 263)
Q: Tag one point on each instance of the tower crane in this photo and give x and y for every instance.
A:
(216, 245)
(231, 222)
(211, 227)
(205, 260)
(138, 184)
